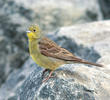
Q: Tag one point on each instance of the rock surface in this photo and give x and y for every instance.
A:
(52, 14)
(12, 37)
(88, 40)
(73, 81)
(105, 8)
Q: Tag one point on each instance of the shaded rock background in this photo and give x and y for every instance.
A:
(73, 81)
(52, 14)
(105, 8)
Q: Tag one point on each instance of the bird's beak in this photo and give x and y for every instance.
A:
(28, 31)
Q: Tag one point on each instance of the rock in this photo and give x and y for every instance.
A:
(72, 81)
(87, 40)
(52, 14)
(105, 8)
(13, 49)
(16, 79)
(12, 57)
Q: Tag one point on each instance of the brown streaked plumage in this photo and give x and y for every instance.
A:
(48, 54)
(51, 49)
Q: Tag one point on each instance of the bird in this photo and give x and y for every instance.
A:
(46, 53)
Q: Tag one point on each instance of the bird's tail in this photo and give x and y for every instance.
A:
(90, 63)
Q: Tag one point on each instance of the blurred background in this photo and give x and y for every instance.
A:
(50, 15)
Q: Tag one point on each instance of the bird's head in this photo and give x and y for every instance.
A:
(34, 32)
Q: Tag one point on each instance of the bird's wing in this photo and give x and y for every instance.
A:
(51, 49)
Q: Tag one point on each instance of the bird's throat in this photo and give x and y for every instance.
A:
(33, 46)
(31, 36)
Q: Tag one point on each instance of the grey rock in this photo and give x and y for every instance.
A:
(12, 37)
(52, 14)
(105, 8)
(72, 81)
(88, 40)
(11, 57)
(58, 88)
(16, 79)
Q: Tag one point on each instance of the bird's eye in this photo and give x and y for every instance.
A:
(34, 30)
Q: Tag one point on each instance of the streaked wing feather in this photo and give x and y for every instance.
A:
(51, 49)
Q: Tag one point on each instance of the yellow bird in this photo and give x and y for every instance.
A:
(48, 54)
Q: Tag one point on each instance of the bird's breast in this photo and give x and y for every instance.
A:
(40, 59)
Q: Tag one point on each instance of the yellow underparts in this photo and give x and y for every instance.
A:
(41, 60)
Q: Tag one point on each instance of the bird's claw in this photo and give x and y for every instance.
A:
(50, 76)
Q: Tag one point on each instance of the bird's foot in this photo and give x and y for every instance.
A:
(50, 76)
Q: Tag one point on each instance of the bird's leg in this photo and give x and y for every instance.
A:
(45, 70)
(50, 76)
